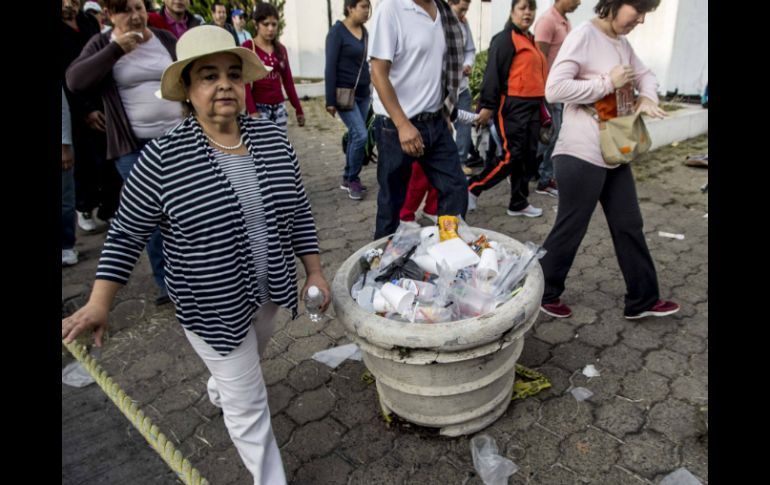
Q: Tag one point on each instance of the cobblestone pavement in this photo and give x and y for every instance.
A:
(647, 417)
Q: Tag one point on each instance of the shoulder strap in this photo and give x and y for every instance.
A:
(363, 61)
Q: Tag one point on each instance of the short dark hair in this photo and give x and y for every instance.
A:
(214, 6)
(605, 8)
(116, 6)
(187, 107)
(351, 4)
(531, 3)
(455, 2)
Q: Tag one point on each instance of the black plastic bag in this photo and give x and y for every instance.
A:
(402, 267)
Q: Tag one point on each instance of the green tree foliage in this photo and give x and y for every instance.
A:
(477, 75)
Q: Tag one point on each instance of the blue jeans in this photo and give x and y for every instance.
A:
(276, 113)
(355, 120)
(546, 166)
(67, 209)
(394, 168)
(155, 244)
(463, 138)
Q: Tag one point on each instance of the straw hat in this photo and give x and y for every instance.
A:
(199, 42)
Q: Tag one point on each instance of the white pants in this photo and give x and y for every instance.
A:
(237, 386)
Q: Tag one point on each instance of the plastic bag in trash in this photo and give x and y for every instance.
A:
(492, 468)
(75, 375)
(406, 237)
(402, 267)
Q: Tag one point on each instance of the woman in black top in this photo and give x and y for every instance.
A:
(347, 67)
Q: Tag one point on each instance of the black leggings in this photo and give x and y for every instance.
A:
(581, 186)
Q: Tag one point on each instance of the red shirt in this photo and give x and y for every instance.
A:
(166, 22)
(268, 89)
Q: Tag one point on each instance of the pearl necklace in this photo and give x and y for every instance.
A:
(234, 147)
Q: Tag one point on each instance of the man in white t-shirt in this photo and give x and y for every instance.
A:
(416, 53)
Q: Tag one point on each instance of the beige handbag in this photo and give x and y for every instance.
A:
(624, 138)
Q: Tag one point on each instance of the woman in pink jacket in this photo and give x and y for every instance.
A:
(595, 67)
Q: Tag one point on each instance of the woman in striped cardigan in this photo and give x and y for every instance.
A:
(227, 193)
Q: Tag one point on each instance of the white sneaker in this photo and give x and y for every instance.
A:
(472, 199)
(86, 221)
(69, 257)
(529, 211)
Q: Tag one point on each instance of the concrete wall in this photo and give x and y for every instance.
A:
(673, 41)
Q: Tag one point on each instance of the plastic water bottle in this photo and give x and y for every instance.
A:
(313, 300)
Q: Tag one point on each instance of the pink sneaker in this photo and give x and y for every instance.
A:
(556, 309)
(661, 308)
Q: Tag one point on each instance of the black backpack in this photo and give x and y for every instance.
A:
(370, 149)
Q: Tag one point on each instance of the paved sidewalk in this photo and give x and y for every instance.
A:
(647, 416)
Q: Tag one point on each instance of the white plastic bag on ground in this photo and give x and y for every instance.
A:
(75, 375)
(680, 476)
(581, 393)
(492, 468)
(336, 355)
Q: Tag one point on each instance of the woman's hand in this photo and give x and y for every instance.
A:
(317, 279)
(129, 40)
(67, 160)
(301, 120)
(649, 107)
(96, 120)
(92, 316)
(621, 75)
(483, 117)
(331, 110)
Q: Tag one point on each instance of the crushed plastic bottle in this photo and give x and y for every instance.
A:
(313, 300)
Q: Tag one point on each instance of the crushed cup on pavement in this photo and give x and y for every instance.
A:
(590, 371)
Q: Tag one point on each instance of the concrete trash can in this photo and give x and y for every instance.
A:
(457, 376)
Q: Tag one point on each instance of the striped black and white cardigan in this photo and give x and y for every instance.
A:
(209, 266)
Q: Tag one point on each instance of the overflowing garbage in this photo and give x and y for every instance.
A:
(420, 278)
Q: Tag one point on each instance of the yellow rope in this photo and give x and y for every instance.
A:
(156, 439)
